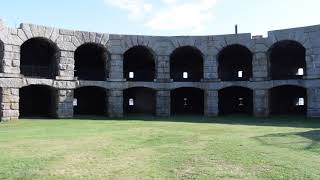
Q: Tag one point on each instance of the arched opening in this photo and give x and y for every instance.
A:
(235, 63)
(39, 58)
(235, 100)
(90, 62)
(288, 100)
(37, 101)
(139, 100)
(186, 64)
(139, 64)
(1, 55)
(288, 60)
(187, 101)
(90, 100)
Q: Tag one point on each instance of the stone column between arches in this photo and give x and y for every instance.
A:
(163, 68)
(115, 103)
(210, 68)
(9, 103)
(64, 103)
(260, 66)
(313, 100)
(115, 67)
(260, 102)
(66, 65)
(163, 103)
(211, 100)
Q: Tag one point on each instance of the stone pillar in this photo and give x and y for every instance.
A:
(312, 61)
(11, 59)
(210, 69)
(260, 70)
(313, 102)
(116, 67)
(163, 68)
(64, 103)
(9, 103)
(163, 104)
(65, 65)
(261, 102)
(211, 100)
(115, 103)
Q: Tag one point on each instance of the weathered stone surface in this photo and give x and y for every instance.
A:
(162, 47)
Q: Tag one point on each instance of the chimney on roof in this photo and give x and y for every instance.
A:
(236, 29)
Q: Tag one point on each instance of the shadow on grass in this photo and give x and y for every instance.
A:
(309, 140)
(280, 121)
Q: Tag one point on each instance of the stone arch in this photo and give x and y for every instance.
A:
(91, 62)
(139, 100)
(286, 58)
(90, 100)
(235, 63)
(39, 58)
(297, 36)
(187, 101)
(288, 100)
(235, 100)
(37, 101)
(186, 64)
(139, 64)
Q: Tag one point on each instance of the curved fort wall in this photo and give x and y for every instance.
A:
(61, 73)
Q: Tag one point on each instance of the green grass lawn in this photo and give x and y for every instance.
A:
(176, 148)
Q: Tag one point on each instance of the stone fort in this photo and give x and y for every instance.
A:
(59, 73)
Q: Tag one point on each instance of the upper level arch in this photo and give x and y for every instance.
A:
(235, 63)
(287, 60)
(139, 64)
(91, 62)
(186, 64)
(39, 58)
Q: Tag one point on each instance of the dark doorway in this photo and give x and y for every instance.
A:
(288, 100)
(37, 101)
(235, 100)
(39, 58)
(1, 55)
(187, 101)
(139, 64)
(235, 63)
(139, 100)
(186, 64)
(288, 60)
(90, 62)
(90, 101)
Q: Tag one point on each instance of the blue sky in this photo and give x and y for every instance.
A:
(163, 17)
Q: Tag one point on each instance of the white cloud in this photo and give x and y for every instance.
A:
(169, 15)
(193, 15)
(135, 8)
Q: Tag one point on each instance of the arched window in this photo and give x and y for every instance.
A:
(90, 62)
(139, 64)
(235, 63)
(186, 64)
(39, 58)
(287, 60)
